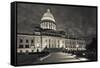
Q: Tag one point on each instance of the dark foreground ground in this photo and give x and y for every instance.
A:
(54, 57)
(29, 58)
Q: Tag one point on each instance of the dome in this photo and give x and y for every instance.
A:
(48, 16)
(48, 21)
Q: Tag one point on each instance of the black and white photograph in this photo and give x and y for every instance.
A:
(55, 33)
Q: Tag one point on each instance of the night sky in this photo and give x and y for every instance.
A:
(79, 21)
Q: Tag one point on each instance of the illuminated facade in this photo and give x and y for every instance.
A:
(47, 37)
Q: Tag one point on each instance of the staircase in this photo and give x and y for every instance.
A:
(53, 49)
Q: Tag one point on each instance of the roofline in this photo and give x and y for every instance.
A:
(48, 35)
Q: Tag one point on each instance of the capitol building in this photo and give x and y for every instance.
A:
(47, 37)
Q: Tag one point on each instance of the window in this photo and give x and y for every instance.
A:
(21, 40)
(20, 46)
(26, 41)
(32, 41)
(26, 46)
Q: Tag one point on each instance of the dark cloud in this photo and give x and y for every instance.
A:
(73, 20)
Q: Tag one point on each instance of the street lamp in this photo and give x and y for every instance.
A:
(77, 46)
(37, 45)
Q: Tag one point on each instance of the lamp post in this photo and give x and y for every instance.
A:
(77, 46)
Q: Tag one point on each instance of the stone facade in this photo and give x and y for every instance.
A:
(32, 43)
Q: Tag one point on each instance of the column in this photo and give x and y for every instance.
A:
(49, 43)
(52, 26)
(48, 25)
(43, 26)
